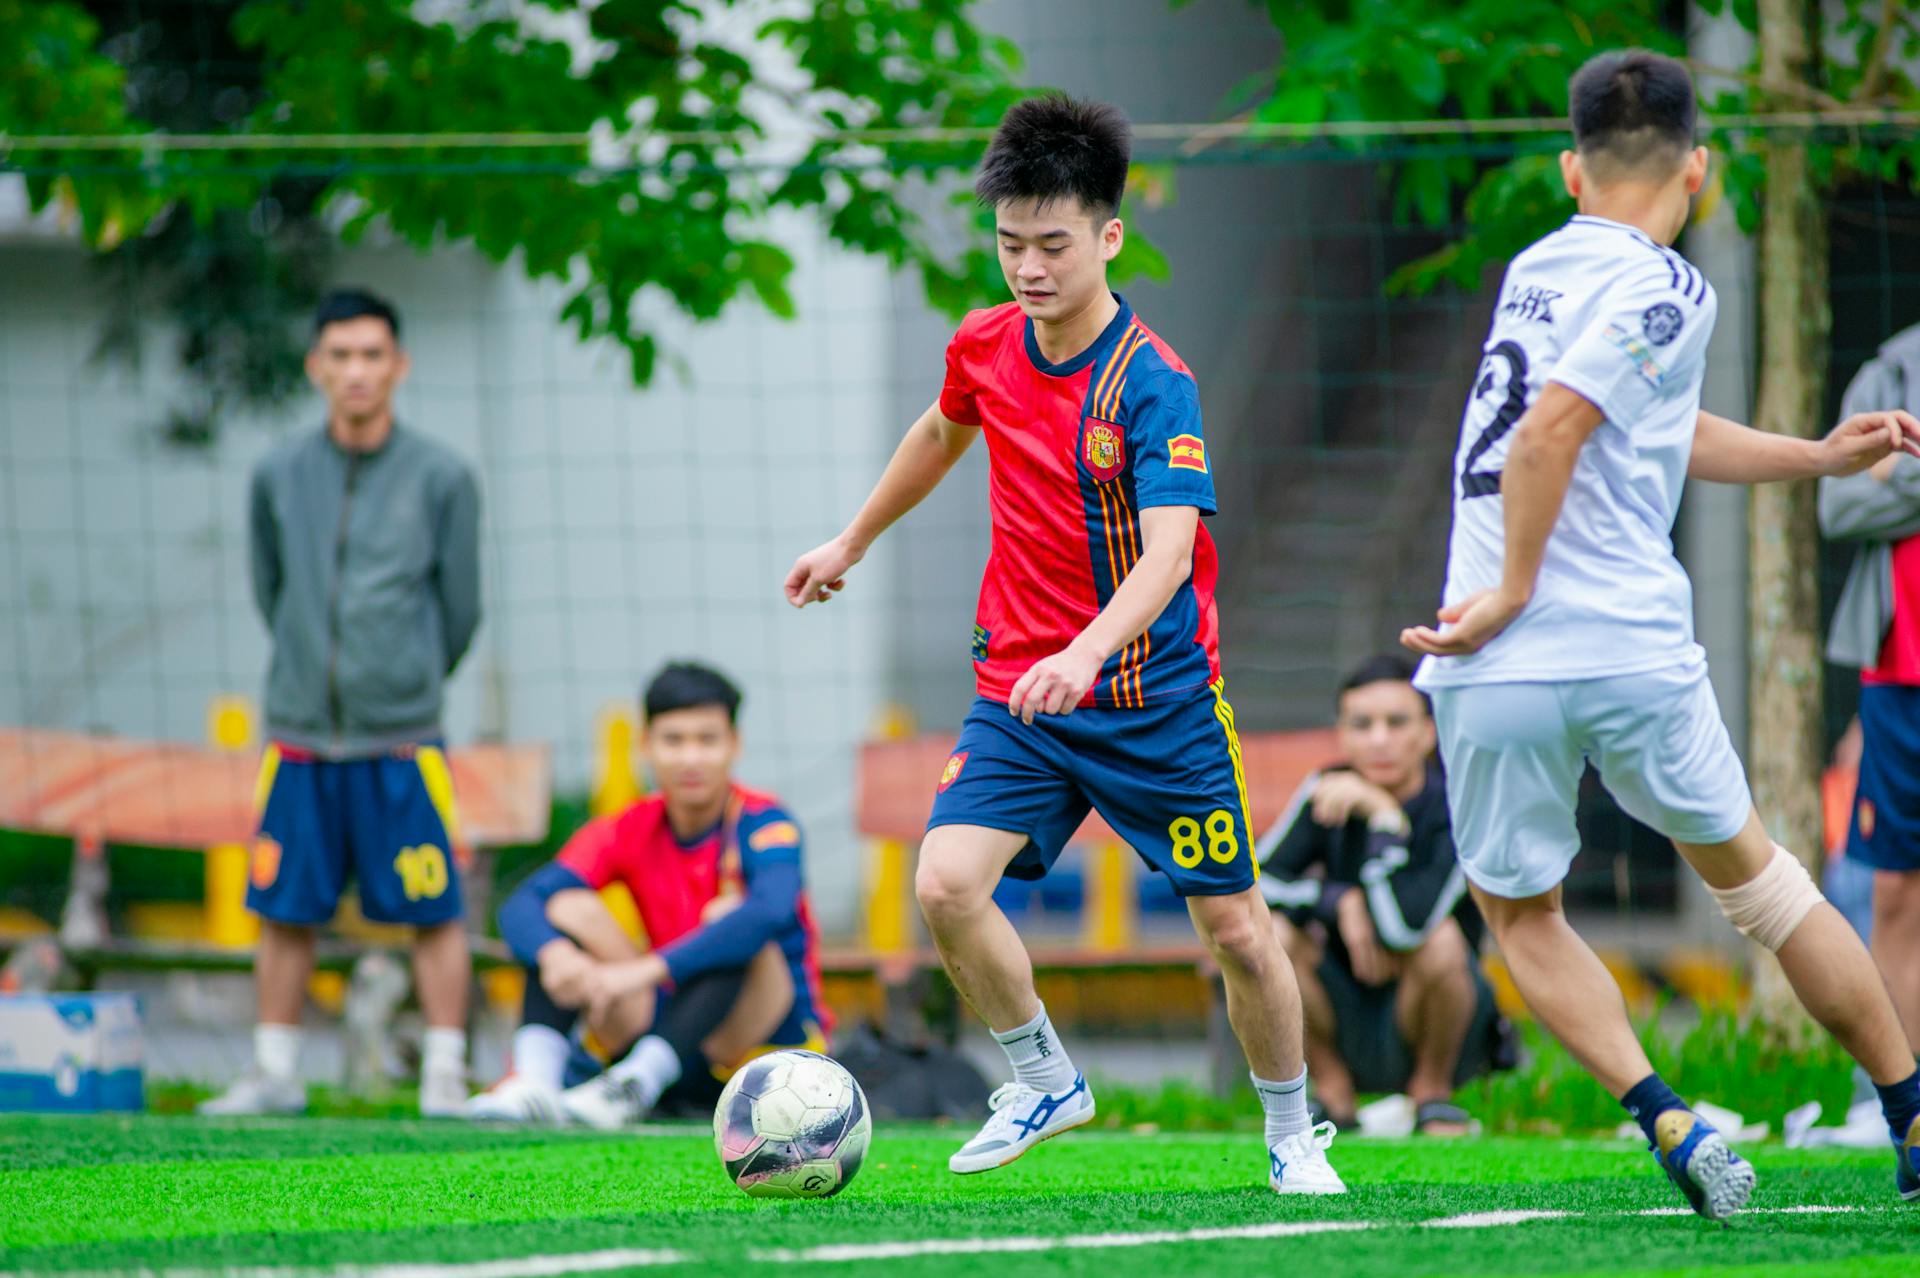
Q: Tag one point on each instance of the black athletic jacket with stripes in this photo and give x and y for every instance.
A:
(1411, 881)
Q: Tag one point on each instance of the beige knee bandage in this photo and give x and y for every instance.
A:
(1772, 904)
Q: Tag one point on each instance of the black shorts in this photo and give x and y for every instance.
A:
(1367, 1030)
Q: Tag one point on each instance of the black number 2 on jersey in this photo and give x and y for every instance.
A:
(1485, 483)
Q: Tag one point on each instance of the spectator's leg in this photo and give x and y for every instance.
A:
(1434, 1006)
(765, 999)
(1332, 1080)
(442, 972)
(281, 970)
(588, 923)
(1896, 944)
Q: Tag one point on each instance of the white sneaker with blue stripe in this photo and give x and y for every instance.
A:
(1023, 1117)
(1297, 1164)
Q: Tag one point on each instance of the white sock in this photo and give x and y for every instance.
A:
(443, 1048)
(1037, 1057)
(1285, 1105)
(540, 1055)
(652, 1065)
(276, 1050)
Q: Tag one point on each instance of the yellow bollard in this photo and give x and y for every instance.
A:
(229, 728)
(1110, 915)
(615, 786)
(886, 924)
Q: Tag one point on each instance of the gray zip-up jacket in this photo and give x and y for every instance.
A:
(366, 567)
(1863, 509)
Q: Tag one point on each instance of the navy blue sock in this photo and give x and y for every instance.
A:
(1647, 1099)
(1900, 1102)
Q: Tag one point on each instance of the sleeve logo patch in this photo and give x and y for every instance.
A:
(1661, 322)
(982, 637)
(1104, 449)
(1634, 349)
(774, 834)
(953, 768)
(1187, 452)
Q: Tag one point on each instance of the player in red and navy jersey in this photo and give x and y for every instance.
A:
(1095, 643)
(714, 871)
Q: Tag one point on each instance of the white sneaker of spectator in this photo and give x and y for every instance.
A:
(518, 1100)
(257, 1092)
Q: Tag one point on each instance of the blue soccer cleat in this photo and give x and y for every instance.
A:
(1716, 1181)
(1023, 1117)
(1907, 1179)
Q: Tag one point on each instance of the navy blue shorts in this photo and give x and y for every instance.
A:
(1167, 777)
(388, 821)
(1886, 809)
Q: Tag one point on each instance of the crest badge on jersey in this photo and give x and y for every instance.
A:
(1104, 448)
(953, 768)
(1661, 323)
(1187, 452)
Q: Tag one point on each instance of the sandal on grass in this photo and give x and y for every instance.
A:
(1435, 1113)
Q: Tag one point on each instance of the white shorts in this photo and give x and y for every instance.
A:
(1515, 752)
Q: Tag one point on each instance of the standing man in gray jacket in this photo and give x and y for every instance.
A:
(1877, 628)
(366, 569)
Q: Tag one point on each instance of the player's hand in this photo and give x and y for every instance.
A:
(1056, 684)
(1372, 965)
(1338, 797)
(566, 972)
(1865, 439)
(821, 573)
(1473, 623)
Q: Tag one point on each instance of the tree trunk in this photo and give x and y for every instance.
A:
(1784, 691)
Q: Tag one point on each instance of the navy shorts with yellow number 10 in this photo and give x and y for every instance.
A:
(388, 821)
(1166, 776)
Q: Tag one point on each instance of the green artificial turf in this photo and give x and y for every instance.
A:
(116, 1195)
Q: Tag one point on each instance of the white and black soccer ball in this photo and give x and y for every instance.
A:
(792, 1125)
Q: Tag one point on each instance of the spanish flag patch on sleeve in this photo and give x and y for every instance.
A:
(1187, 452)
(774, 834)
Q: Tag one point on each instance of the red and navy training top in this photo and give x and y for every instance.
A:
(1076, 451)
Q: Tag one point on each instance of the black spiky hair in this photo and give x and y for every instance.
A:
(1055, 147)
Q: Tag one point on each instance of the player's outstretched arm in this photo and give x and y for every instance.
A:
(1055, 685)
(1725, 452)
(1546, 444)
(931, 447)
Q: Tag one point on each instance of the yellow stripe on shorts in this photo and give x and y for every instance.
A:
(263, 784)
(438, 777)
(1224, 713)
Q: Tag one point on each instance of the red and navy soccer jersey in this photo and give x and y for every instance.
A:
(752, 857)
(1077, 450)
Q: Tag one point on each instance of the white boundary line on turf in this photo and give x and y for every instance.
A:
(1070, 1242)
(640, 1258)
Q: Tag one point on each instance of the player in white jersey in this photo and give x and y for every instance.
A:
(1567, 625)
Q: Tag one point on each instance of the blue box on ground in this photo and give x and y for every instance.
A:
(71, 1053)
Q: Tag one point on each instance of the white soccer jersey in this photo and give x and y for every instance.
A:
(1624, 321)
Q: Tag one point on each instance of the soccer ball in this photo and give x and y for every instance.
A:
(792, 1125)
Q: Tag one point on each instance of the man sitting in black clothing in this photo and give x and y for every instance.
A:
(1361, 875)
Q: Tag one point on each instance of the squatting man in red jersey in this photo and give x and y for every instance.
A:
(1095, 643)
(714, 870)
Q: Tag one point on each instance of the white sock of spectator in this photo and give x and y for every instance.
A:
(653, 1066)
(276, 1050)
(540, 1055)
(1285, 1105)
(443, 1048)
(1037, 1057)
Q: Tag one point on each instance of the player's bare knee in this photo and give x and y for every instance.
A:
(948, 891)
(1241, 941)
(1770, 906)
